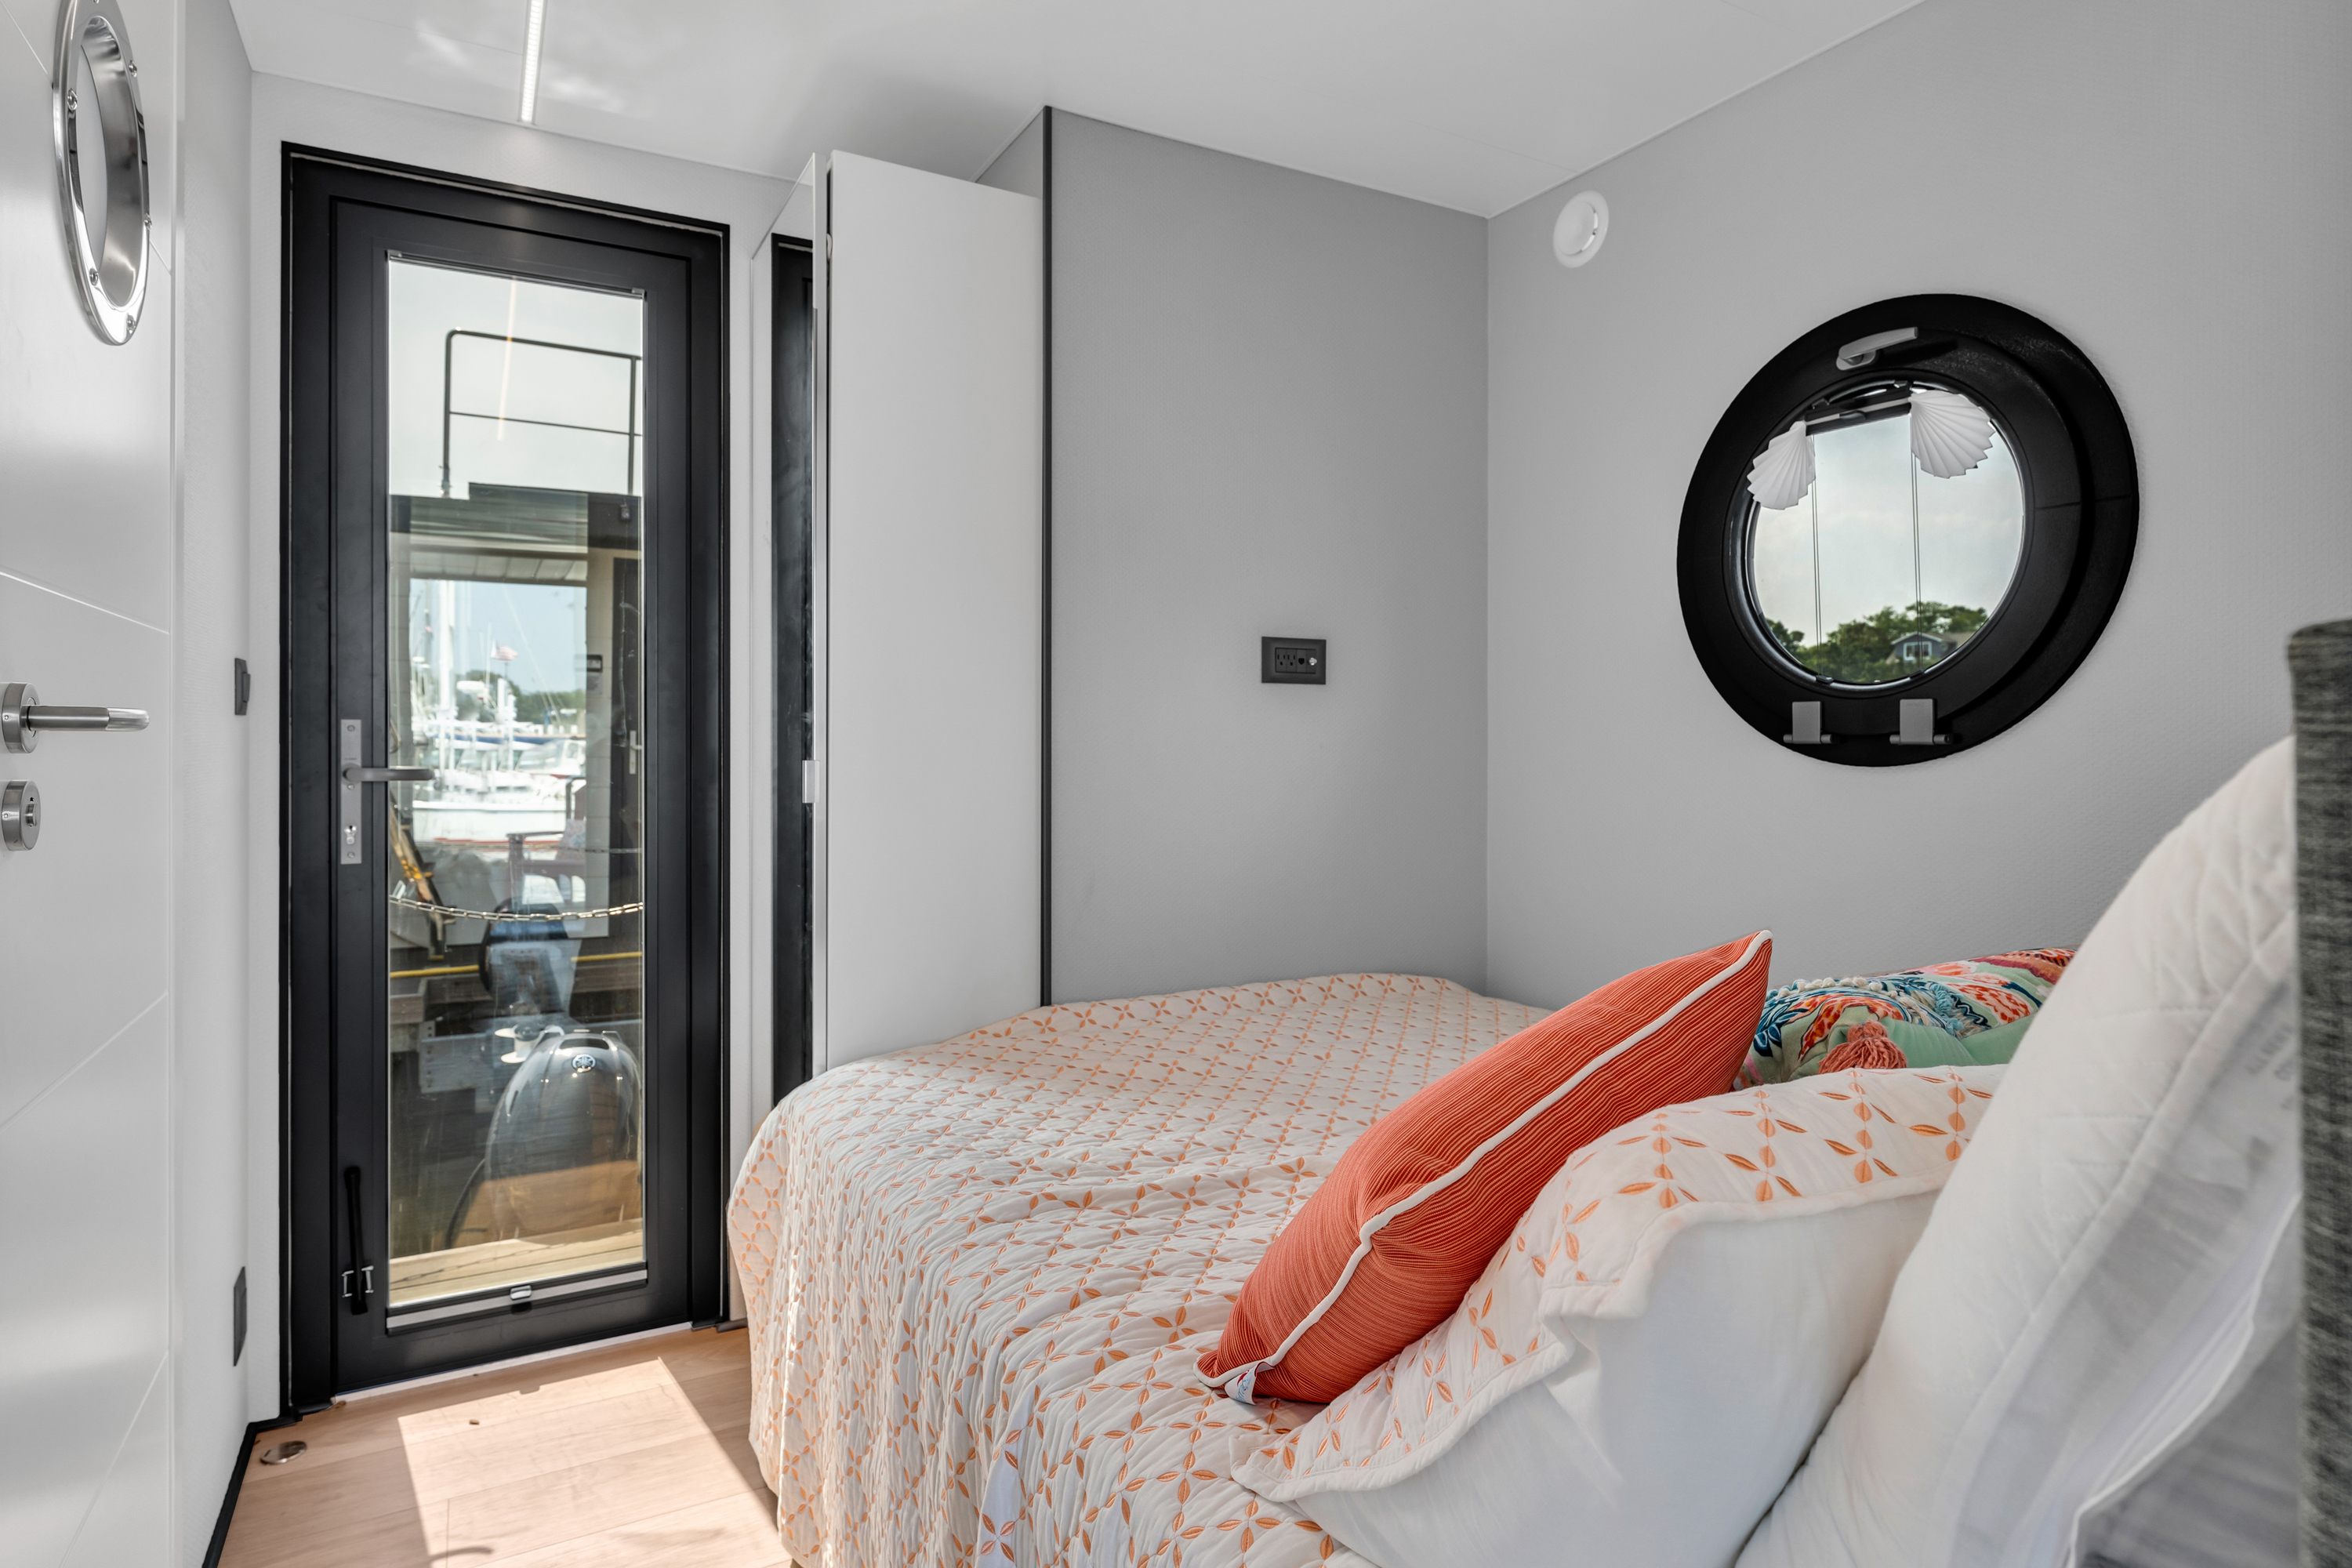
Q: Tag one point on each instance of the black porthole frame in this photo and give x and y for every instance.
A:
(2081, 482)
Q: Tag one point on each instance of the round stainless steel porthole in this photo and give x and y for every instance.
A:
(101, 142)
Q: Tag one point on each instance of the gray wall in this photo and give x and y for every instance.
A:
(2162, 181)
(1268, 417)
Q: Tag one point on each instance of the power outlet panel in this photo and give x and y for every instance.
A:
(1292, 661)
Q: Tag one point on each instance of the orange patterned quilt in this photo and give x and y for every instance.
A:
(979, 1273)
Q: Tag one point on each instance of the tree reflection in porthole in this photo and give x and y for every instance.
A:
(1898, 526)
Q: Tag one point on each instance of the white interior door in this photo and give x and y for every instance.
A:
(930, 545)
(85, 1136)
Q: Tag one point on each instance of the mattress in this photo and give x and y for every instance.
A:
(978, 1274)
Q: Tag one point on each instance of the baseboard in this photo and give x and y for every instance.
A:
(253, 1429)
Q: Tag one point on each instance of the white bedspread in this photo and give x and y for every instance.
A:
(979, 1273)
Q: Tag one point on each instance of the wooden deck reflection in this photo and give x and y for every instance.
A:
(486, 1265)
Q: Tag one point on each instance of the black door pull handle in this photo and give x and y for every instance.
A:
(359, 1279)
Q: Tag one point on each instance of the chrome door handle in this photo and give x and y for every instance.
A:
(55, 718)
(23, 717)
(387, 775)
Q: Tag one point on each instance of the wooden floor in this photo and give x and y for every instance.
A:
(635, 1454)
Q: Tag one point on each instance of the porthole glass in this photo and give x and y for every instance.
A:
(1908, 530)
(1903, 542)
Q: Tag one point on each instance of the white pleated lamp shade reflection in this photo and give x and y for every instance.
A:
(1783, 471)
(1949, 433)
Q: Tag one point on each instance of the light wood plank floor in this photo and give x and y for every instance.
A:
(633, 1455)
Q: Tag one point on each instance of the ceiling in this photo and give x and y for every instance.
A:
(1472, 104)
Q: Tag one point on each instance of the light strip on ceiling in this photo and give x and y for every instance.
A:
(533, 30)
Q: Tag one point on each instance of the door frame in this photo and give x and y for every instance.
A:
(694, 882)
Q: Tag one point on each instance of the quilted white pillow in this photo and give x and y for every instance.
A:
(2095, 1273)
(1644, 1362)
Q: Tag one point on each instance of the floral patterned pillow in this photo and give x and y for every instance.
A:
(1806, 1022)
(1834, 1154)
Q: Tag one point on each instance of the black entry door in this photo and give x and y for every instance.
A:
(504, 703)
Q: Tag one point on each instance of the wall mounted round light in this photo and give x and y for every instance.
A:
(1584, 225)
(1908, 530)
(102, 147)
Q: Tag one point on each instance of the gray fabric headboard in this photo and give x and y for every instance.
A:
(2321, 659)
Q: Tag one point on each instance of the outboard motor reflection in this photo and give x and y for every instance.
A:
(564, 1142)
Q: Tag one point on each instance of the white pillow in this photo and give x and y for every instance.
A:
(1646, 1360)
(2094, 1279)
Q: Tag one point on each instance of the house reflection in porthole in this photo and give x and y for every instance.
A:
(1886, 529)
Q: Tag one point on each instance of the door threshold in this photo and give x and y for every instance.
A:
(375, 1390)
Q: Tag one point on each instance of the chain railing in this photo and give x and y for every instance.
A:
(504, 917)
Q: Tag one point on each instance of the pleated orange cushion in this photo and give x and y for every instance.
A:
(1417, 1206)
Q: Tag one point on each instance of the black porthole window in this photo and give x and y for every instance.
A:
(1908, 530)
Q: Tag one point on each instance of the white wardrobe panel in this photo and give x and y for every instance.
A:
(87, 584)
(930, 519)
(86, 910)
(85, 427)
(83, 1295)
(130, 1522)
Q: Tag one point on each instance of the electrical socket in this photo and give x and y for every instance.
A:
(1292, 661)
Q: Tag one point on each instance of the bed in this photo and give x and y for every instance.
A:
(978, 1275)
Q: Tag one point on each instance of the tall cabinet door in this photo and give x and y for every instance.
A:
(86, 1071)
(929, 532)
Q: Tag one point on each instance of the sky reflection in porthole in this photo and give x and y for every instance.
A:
(1868, 580)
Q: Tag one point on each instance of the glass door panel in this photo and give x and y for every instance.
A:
(514, 980)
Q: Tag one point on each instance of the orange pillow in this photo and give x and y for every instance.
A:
(1417, 1206)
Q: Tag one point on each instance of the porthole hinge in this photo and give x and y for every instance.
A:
(1805, 726)
(1917, 717)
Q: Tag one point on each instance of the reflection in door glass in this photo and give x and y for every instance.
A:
(515, 980)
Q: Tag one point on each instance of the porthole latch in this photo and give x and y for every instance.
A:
(1863, 350)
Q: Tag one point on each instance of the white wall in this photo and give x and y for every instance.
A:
(217, 1018)
(299, 113)
(2162, 181)
(1268, 418)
